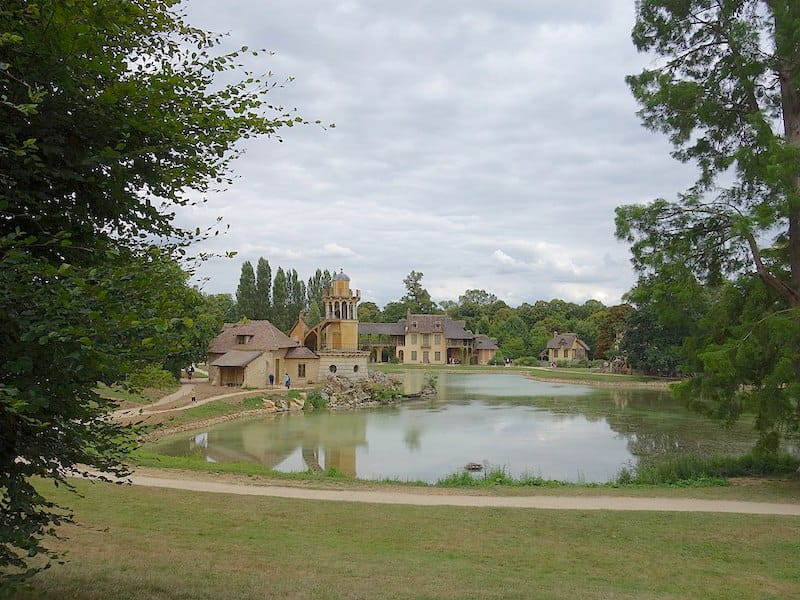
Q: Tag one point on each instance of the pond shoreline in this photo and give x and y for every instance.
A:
(649, 385)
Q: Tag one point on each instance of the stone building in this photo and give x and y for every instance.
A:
(245, 353)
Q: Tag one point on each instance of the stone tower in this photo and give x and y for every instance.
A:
(341, 314)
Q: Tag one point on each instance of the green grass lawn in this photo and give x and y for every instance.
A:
(143, 543)
(145, 396)
(779, 489)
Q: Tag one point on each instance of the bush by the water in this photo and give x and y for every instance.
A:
(527, 361)
(151, 376)
(494, 476)
(693, 468)
(315, 400)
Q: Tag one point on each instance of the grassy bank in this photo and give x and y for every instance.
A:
(496, 481)
(578, 375)
(137, 543)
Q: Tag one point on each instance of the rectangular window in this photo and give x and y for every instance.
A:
(413, 355)
(555, 353)
(437, 339)
(437, 356)
(426, 340)
(414, 339)
(425, 358)
(301, 370)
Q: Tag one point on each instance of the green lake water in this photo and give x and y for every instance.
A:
(556, 431)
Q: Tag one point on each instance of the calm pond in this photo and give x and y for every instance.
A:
(556, 431)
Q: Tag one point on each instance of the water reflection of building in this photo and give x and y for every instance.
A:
(334, 437)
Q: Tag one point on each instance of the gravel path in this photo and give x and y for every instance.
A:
(455, 499)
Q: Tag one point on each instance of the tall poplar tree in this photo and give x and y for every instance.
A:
(263, 289)
(246, 293)
(280, 297)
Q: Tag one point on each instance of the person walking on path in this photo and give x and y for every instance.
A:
(271, 379)
(288, 381)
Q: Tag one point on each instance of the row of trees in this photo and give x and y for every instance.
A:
(279, 299)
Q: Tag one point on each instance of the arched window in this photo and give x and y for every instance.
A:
(355, 368)
(332, 368)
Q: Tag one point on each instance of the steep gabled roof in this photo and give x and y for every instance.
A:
(265, 336)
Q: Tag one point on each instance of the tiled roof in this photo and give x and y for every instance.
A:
(300, 352)
(454, 330)
(265, 337)
(381, 328)
(236, 358)
(483, 342)
(565, 340)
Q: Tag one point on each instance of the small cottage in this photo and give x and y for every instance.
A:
(565, 347)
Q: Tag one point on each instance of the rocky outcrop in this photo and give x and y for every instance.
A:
(376, 389)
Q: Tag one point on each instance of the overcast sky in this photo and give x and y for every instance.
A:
(485, 144)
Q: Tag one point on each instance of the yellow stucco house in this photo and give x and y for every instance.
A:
(245, 353)
(565, 347)
(426, 339)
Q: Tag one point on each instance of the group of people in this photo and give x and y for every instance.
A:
(287, 381)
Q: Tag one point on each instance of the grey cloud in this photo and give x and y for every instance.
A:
(463, 129)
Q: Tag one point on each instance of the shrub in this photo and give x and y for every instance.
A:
(431, 380)
(315, 400)
(692, 468)
(151, 376)
(527, 361)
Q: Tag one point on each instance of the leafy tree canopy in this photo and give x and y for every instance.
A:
(726, 90)
(112, 114)
(417, 298)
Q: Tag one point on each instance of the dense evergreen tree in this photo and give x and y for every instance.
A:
(280, 299)
(725, 87)
(247, 293)
(263, 301)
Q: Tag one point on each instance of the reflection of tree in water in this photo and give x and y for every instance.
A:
(651, 421)
(412, 438)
